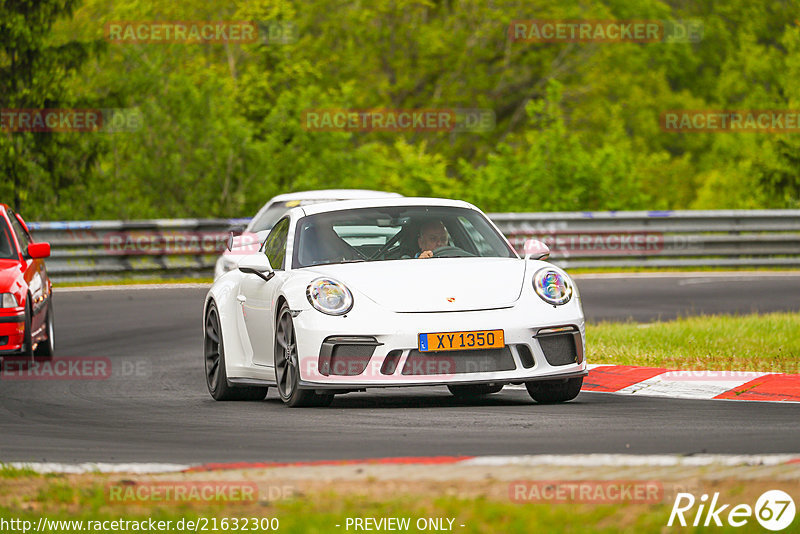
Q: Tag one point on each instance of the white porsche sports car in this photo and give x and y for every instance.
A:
(350, 295)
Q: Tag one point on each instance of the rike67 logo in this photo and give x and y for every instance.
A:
(774, 510)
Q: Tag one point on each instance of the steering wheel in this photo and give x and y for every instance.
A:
(448, 251)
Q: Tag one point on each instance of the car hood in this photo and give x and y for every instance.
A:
(9, 273)
(433, 285)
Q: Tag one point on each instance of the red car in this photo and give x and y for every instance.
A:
(26, 294)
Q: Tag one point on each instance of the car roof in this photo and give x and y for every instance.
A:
(333, 194)
(343, 205)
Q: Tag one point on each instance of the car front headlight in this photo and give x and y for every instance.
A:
(8, 300)
(552, 286)
(329, 296)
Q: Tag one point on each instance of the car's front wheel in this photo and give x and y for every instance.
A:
(287, 366)
(554, 391)
(473, 391)
(216, 376)
(26, 354)
(46, 349)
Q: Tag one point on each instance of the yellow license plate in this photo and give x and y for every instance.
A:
(476, 339)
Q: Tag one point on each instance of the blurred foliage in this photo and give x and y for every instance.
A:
(577, 124)
(35, 73)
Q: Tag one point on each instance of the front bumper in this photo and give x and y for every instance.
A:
(393, 358)
(12, 332)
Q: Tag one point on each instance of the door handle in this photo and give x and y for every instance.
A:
(241, 298)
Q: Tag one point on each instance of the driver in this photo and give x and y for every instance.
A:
(432, 235)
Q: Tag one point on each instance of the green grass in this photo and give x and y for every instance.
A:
(321, 512)
(478, 515)
(769, 342)
(7, 471)
(136, 281)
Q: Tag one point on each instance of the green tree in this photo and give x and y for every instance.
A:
(34, 74)
(577, 124)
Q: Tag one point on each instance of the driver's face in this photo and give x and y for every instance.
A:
(432, 238)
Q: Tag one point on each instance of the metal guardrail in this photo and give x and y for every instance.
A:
(718, 238)
(108, 250)
(170, 248)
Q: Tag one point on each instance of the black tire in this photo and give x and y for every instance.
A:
(287, 366)
(45, 350)
(214, 357)
(27, 336)
(473, 391)
(554, 391)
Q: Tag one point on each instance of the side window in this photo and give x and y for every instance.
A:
(22, 236)
(275, 247)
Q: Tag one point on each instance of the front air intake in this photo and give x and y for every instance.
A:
(390, 362)
(458, 362)
(346, 355)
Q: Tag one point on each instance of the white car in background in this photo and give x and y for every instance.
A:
(260, 225)
(341, 297)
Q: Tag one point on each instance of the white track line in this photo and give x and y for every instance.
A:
(568, 460)
(137, 468)
(620, 460)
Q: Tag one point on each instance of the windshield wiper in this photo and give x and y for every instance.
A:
(346, 261)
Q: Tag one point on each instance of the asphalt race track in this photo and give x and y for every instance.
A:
(155, 406)
(647, 298)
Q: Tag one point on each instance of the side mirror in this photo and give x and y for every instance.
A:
(257, 264)
(536, 249)
(39, 250)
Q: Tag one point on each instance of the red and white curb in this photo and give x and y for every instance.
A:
(545, 460)
(660, 382)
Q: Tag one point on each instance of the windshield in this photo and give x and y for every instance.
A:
(7, 248)
(394, 233)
